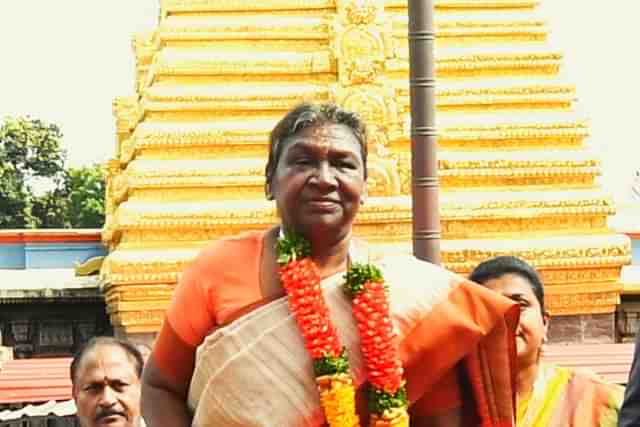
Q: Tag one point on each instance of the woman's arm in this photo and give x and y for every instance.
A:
(165, 382)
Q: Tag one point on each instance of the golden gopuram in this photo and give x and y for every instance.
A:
(516, 174)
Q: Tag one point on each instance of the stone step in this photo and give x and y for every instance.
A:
(171, 63)
(505, 131)
(268, 30)
(161, 264)
(248, 136)
(223, 103)
(177, 29)
(177, 7)
(244, 178)
(479, 214)
(473, 5)
(237, 97)
(580, 272)
(479, 28)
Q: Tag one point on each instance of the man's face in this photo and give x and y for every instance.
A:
(107, 389)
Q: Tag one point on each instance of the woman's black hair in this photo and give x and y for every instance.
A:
(307, 115)
(497, 267)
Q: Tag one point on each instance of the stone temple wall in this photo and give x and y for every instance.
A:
(214, 77)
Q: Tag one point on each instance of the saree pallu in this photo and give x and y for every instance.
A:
(256, 371)
(562, 397)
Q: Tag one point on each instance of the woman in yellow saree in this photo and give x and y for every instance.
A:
(547, 395)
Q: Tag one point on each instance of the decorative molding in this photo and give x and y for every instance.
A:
(220, 108)
(169, 7)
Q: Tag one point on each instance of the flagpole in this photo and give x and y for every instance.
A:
(424, 166)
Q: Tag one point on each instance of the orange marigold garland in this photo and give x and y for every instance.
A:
(386, 392)
(301, 280)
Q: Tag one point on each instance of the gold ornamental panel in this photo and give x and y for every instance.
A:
(386, 227)
(151, 318)
(171, 7)
(121, 308)
(216, 76)
(566, 277)
(132, 293)
(582, 303)
(175, 62)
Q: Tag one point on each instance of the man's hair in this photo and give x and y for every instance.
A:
(129, 348)
(497, 267)
(307, 115)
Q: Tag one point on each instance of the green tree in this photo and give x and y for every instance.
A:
(86, 188)
(29, 150)
(76, 201)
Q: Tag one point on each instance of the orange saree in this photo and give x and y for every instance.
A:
(254, 371)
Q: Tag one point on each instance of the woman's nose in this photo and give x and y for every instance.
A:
(325, 175)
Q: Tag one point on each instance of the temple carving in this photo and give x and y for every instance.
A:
(214, 77)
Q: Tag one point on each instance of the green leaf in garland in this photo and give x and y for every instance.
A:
(329, 365)
(359, 274)
(380, 401)
(291, 247)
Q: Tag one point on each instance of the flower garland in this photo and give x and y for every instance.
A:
(386, 393)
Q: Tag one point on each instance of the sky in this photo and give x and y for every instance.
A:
(64, 61)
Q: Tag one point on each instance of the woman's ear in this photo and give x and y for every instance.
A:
(267, 191)
(364, 195)
(546, 317)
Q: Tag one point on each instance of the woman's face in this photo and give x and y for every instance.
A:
(532, 328)
(319, 181)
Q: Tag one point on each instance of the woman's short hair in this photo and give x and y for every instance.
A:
(497, 267)
(308, 115)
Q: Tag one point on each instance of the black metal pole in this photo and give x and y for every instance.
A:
(424, 166)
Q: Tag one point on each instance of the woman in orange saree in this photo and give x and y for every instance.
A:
(547, 395)
(229, 352)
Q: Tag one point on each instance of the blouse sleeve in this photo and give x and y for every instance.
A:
(187, 322)
(190, 313)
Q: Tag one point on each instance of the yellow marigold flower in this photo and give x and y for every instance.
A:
(397, 417)
(337, 398)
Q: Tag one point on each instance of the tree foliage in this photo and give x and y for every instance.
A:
(31, 159)
(29, 149)
(86, 188)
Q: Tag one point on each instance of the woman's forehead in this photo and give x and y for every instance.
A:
(328, 136)
(511, 283)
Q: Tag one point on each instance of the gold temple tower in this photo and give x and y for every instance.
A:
(214, 77)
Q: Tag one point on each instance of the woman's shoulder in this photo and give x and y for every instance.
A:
(407, 265)
(228, 251)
